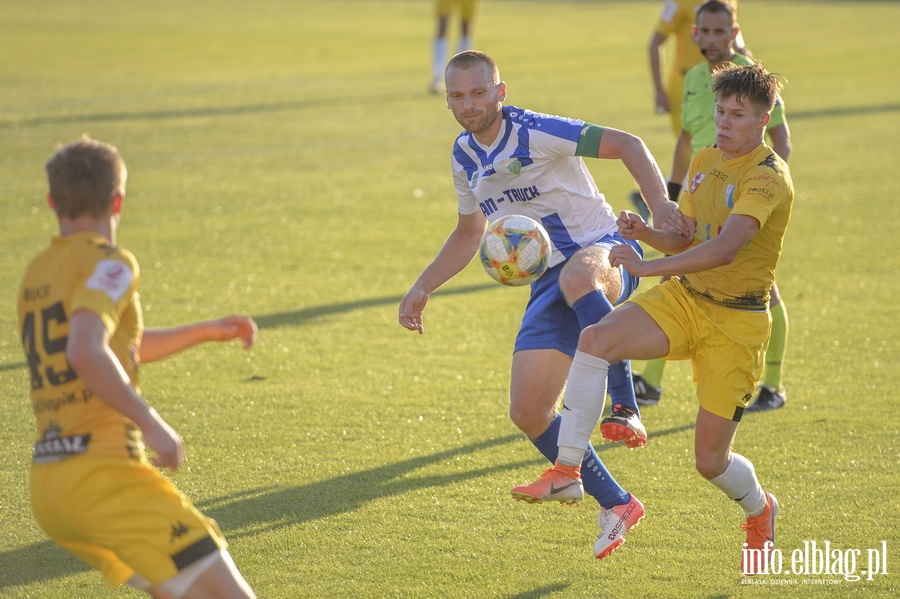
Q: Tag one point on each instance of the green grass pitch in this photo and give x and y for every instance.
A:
(286, 161)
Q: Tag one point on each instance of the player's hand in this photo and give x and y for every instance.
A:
(233, 327)
(671, 219)
(662, 103)
(411, 307)
(631, 225)
(164, 441)
(625, 255)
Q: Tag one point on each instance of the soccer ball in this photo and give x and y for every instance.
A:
(515, 250)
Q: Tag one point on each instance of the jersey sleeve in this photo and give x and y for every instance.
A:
(761, 191)
(110, 287)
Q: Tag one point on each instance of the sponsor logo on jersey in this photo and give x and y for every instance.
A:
(54, 447)
(111, 277)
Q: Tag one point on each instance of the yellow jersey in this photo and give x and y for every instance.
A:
(757, 184)
(80, 271)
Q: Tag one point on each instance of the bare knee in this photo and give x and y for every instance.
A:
(530, 421)
(710, 465)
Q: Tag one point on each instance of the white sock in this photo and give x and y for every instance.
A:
(582, 406)
(464, 43)
(438, 57)
(740, 484)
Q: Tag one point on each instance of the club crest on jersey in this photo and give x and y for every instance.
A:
(514, 166)
(729, 196)
(695, 183)
(473, 179)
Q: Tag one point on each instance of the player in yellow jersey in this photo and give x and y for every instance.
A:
(94, 490)
(715, 33)
(714, 311)
(467, 10)
(677, 20)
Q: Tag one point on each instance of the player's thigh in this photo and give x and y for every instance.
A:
(214, 576)
(729, 359)
(628, 333)
(587, 270)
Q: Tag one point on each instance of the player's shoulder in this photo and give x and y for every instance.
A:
(91, 250)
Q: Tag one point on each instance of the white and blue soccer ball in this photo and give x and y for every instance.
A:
(515, 250)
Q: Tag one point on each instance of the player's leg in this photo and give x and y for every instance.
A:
(620, 511)
(727, 363)
(537, 381)
(467, 16)
(439, 46)
(771, 393)
(591, 286)
(212, 577)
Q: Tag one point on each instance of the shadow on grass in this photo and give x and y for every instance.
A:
(208, 111)
(269, 508)
(34, 563)
(297, 317)
(543, 591)
(353, 100)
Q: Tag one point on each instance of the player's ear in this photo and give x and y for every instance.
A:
(51, 203)
(117, 203)
(501, 90)
(764, 119)
(694, 34)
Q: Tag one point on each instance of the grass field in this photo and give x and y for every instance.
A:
(286, 162)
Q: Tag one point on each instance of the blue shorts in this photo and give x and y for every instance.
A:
(549, 322)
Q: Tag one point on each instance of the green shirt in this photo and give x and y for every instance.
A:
(699, 105)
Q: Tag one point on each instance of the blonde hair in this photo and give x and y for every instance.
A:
(748, 84)
(85, 176)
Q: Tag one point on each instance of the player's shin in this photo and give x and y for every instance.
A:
(582, 406)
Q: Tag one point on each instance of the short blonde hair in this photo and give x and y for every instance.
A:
(748, 84)
(85, 176)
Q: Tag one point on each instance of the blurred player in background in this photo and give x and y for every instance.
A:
(676, 21)
(715, 33)
(467, 10)
(514, 161)
(94, 490)
(714, 311)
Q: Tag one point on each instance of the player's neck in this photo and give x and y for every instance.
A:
(714, 66)
(88, 224)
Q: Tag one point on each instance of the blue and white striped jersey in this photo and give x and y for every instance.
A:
(532, 169)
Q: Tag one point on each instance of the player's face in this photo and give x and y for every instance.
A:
(714, 33)
(739, 126)
(476, 101)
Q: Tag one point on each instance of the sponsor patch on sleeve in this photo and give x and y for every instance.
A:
(112, 278)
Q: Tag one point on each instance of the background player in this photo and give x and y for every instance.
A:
(93, 489)
(505, 149)
(467, 10)
(715, 33)
(675, 22)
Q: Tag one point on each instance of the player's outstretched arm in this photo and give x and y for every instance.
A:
(456, 253)
(157, 344)
(633, 153)
(88, 352)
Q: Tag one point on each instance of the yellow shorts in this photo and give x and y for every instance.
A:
(121, 517)
(725, 346)
(466, 8)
